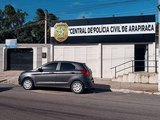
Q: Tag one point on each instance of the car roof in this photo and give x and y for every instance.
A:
(65, 61)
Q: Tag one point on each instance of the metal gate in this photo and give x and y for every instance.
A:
(20, 59)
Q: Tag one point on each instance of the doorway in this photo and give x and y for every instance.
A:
(140, 51)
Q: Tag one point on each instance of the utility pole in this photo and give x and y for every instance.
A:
(159, 45)
(45, 27)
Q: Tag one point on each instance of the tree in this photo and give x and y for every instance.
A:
(12, 25)
(1, 19)
(11, 20)
(52, 17)
(38, 29)
(40, 15)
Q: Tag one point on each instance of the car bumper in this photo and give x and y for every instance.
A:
(89, 84)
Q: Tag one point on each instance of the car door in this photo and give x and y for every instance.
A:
(65, 72)
(46, 74)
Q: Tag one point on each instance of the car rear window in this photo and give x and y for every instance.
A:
(82, 66)
(67, 66)
(85, 66)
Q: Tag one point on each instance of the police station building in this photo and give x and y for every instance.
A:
(103, 43)
(107, 45)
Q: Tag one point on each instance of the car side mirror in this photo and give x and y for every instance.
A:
(40, 69)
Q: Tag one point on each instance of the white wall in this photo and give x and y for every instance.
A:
(37, 54)
(44, 50)
(84, 53)
(114, 55)
(1, 57)
(90, 54)
(152, 53)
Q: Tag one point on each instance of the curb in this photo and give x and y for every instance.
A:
(133, 91)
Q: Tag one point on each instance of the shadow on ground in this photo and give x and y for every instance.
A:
(98, 88)
(2, 89)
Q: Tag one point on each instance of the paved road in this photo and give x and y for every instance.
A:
(53, 104)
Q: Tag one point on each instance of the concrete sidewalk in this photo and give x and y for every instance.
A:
(11, 77)
(129, 87)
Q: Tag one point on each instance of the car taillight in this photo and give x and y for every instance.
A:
(85, 73)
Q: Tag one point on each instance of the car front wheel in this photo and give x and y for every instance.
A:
(77, 87)
(28, 84)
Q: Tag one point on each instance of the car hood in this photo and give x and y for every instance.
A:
(28, 71)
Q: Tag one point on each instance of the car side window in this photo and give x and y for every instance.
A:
(67, 66)
(50, 67)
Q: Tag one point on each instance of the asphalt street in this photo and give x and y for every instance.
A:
(60, 104)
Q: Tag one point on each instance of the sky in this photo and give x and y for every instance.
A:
(77, 9)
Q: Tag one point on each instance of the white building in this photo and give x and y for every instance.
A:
(101, 43)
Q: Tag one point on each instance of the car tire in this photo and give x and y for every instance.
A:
(77, 87)
(28, 84)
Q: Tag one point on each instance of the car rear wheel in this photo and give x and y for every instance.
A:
(28, 84)
(77, 87)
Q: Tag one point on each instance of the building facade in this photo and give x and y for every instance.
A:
(102, 43)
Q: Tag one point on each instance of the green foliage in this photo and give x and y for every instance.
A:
(13, 26)
(40, 15)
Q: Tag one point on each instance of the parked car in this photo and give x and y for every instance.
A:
(63, 74)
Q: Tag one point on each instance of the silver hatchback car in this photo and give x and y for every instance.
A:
(63, 74)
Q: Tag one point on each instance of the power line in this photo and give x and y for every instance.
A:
(143, 10)
(135, 11)
(97, 6)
